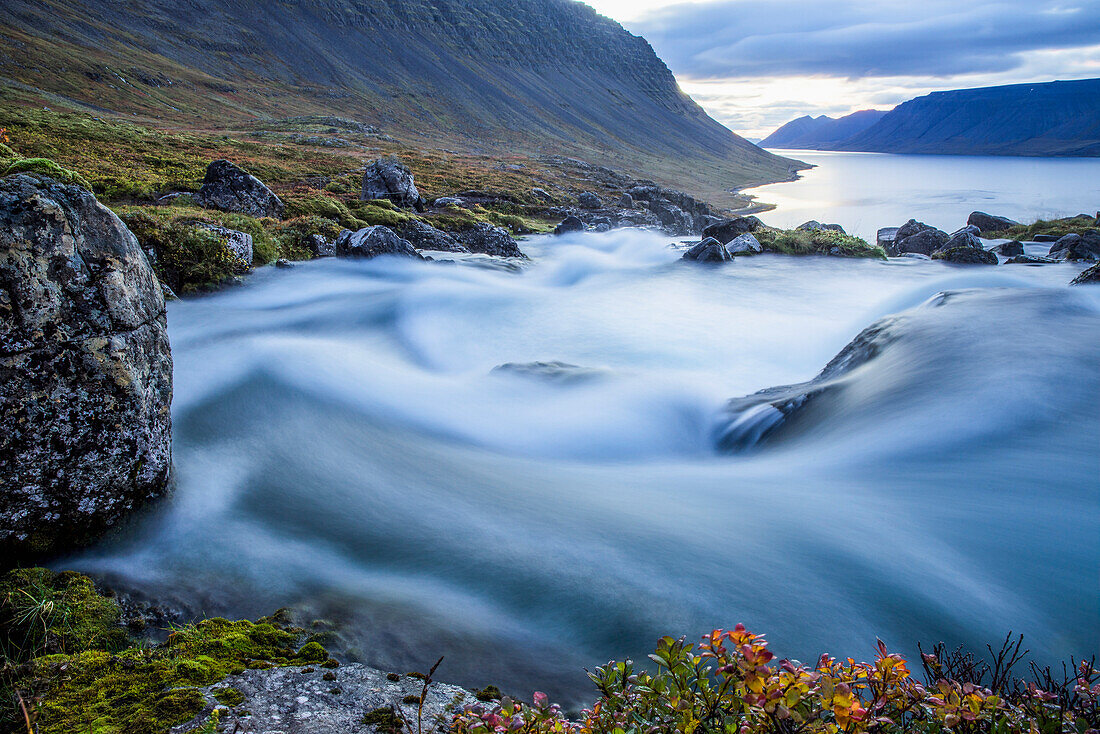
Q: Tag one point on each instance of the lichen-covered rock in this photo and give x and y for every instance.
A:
(389, 179)
(239, 243)
(372, 242)
(228, 188)
(490, 240)
(85, 369)
(320, 247)
(709, 250)
(316, 700)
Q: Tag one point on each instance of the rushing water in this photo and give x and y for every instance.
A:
(866, 191)
(343, 444)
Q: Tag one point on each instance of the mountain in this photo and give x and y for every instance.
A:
(811, 133)
(1049, 119)
(489, 76)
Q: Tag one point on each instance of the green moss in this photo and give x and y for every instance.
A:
(228, 696)
(46, 167)
(188, 258)
(1056, 227)
(411, 699)
(42, 612)
(378, 213)
(816, 242)
(385, 719)
(313, 652)
(6, 154)
(488, 693)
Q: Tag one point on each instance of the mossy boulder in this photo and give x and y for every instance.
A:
(43, 167)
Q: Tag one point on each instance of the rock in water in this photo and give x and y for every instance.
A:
(571, 223)
(389, 179)
(989, 223)
(1008, 249)
(886, 237)
(709, 250)
(230, 189)
(372, 242)
(1092, 275)
(490, 240)
(1077, 247)
(918, 237)
(85, 370)
(726, 231)
(745, 244)
(424, 236)
(966, 256)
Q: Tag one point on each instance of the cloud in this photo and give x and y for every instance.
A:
(725, 39)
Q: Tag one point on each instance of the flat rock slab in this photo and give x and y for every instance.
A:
(301, 701)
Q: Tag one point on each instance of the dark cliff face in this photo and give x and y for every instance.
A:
(543, 75)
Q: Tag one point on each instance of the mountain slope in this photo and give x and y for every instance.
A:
(541, 76)
(812, 133)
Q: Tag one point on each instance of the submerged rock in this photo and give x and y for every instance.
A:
(229, 188)
(709, 250)
(389, 179)
(561, 372)
(372, 242)
(85, 370)
(1030, 260)
(989, 223)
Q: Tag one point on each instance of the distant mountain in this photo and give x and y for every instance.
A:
(1049, 119)
(812, 133)
(491, 76)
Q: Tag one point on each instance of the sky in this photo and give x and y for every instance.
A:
(756, 64)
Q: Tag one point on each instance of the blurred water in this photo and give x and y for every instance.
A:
(343, 445)
(867, 191)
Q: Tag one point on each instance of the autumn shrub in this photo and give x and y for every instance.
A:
(732, 684)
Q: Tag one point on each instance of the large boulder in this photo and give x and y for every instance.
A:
(709, 250)
(727, 230)
(230, 189)
(389, 179)
(989, 223)
(424, 236)
(572, 223)
(914, 236)
(1077, 247)
(964, 238)
(490, 240)
(85, 370)
(589, 200)
(372, 242)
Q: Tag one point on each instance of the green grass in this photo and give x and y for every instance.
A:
(816, 242)
(1059, 227)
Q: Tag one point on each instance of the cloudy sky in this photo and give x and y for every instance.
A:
(755, 64)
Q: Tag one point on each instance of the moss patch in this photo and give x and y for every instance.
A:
(228, 696)
(816, 242)
(46, 167)
(1055, 227)
(101, 682)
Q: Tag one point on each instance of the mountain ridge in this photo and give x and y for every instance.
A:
(544, 76)
(806, 133)
(1059, 118)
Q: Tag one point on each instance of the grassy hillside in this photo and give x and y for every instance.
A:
(480, 77)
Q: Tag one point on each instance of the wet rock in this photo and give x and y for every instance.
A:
(390, 179)
(372, 242)
(228, 188)
(85, 370)
(239, 243)
(989, 223)
(727, 230)
(1046, 238)
(1092, 275)
(571, 223)
(588, 200)
(745, 244)
(961, 239)
(490, 240)
(966, 256)
(914, 236)
(886, 237)
(709, 250)
(424, 236)
(1077, 247)
(560, 372)
(282, 262)
(1008, 249)
(1030, 260)
(321, 701)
